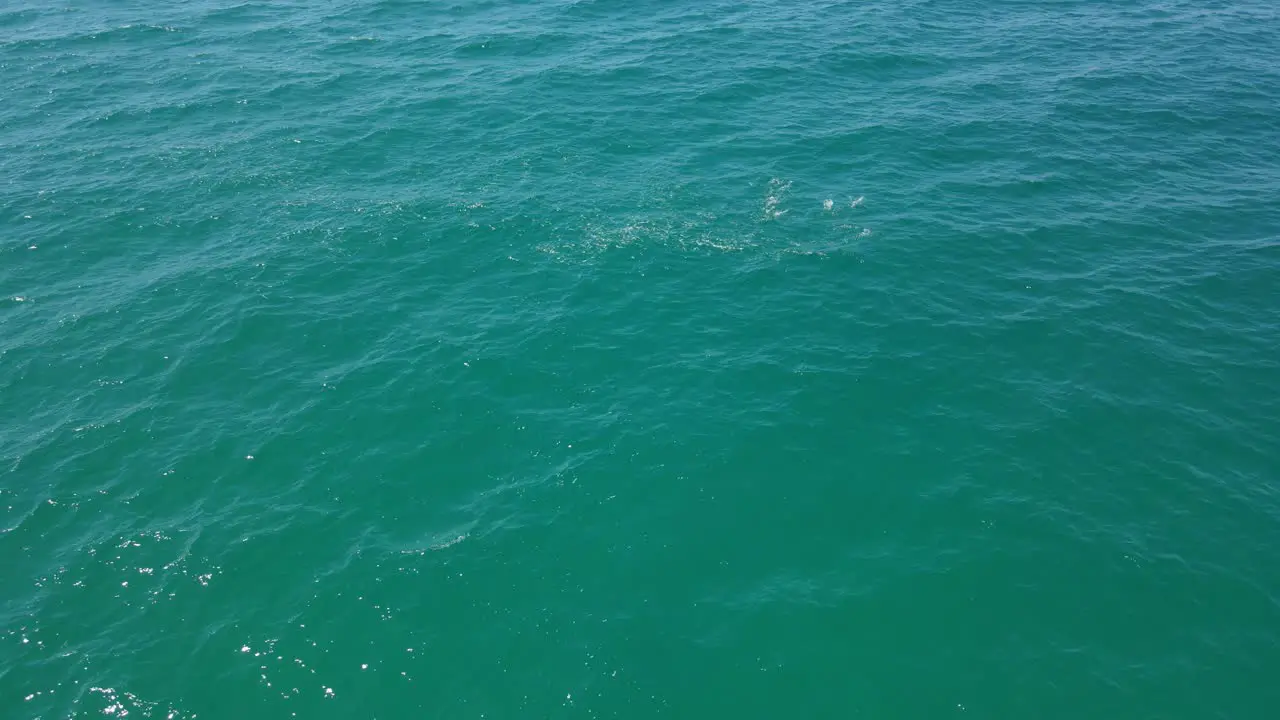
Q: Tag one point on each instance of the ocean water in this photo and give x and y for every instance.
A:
(630, 359)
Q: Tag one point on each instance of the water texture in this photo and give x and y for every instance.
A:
(604, 359)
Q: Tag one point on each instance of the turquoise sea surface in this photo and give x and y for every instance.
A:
(635, 358)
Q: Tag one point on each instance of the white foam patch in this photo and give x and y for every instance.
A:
(122, 704)
(774, 196)
(703, 231)
(695, 234)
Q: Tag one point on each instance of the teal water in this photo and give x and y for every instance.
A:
(387, 359)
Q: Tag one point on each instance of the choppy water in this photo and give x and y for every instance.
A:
(385, 359)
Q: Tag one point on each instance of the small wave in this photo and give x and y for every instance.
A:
(435, 547)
